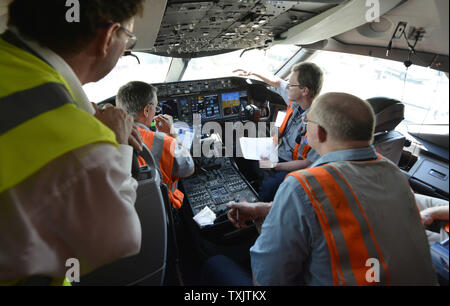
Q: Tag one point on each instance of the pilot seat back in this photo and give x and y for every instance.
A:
(149, 265)
(388, 114)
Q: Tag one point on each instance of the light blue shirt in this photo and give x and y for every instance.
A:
(293, 128)
(292, 249)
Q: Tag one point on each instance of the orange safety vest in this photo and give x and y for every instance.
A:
(163, 148)
(347, 222)
(289, 112)
(282, 128)
(301, 150)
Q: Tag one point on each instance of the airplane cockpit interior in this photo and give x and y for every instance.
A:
(393, 53)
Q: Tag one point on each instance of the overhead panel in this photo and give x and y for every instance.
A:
(191, 29)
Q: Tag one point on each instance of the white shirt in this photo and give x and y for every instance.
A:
(80, 205)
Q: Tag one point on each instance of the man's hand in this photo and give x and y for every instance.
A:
(266, 163)
(242, 72)
(272, 80)
(135, 139)
(164, 123)
(122, 125)
(242, 212)
(431, 214)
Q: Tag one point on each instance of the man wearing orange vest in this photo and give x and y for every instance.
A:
(349, 219)
(139, 99)
(294, 152)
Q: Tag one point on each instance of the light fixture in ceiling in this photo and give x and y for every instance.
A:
(375, 29)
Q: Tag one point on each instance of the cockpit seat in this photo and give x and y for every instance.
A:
(388, 114)
(148, 267)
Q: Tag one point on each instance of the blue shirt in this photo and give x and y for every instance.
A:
(294, 126)
(292, 249)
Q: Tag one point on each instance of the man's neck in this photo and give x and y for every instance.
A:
(340, 146)
(139, 124)
(140, 118)
(305, 104)
(81, 66)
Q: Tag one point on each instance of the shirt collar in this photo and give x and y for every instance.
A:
(60, 65)
(304, 112)
(142, 126)
(366, 153)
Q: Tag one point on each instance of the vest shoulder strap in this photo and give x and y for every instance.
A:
(39, 121)
(344, 223)
(289, 112)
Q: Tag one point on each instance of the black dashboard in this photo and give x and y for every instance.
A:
(208, 106)
(223, 99)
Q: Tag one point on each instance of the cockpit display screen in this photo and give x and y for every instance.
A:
(169, 107)
(218, 192)
(208, 106)
(231, 103)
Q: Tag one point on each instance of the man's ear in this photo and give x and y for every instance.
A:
(305, 91)
(146, 110)
(321, 134)
(107, 36)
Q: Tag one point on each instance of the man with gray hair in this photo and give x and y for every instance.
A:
(350, 219)
(294, 152)
(139, 99)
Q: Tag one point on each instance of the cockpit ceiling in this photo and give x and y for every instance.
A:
(192, 29)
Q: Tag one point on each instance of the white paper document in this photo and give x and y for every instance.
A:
(185, 133)
(262, 148)
(205, 217)
(280, 118)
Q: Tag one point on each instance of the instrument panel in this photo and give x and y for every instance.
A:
(218, 99)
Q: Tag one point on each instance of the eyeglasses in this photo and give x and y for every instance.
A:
(294, 85)
(158, 109)
(132, 39)
(306, 120)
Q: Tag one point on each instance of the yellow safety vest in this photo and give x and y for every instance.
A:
(39, 121)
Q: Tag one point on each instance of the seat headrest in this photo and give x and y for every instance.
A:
(388, 113)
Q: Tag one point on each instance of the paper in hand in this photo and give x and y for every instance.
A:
(262, 148)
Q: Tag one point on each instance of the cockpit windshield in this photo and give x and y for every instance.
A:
(152, 69)
(423, 91)
(270, 61)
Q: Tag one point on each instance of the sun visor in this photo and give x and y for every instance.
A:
(146, 27)
(4, 14)
(335, 21)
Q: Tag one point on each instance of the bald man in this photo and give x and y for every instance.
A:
(350, 219)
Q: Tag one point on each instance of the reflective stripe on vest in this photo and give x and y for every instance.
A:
(346, 228)
(366, 210)
(39, 123)
(163, 150)
(301, 150)
(289, 112)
